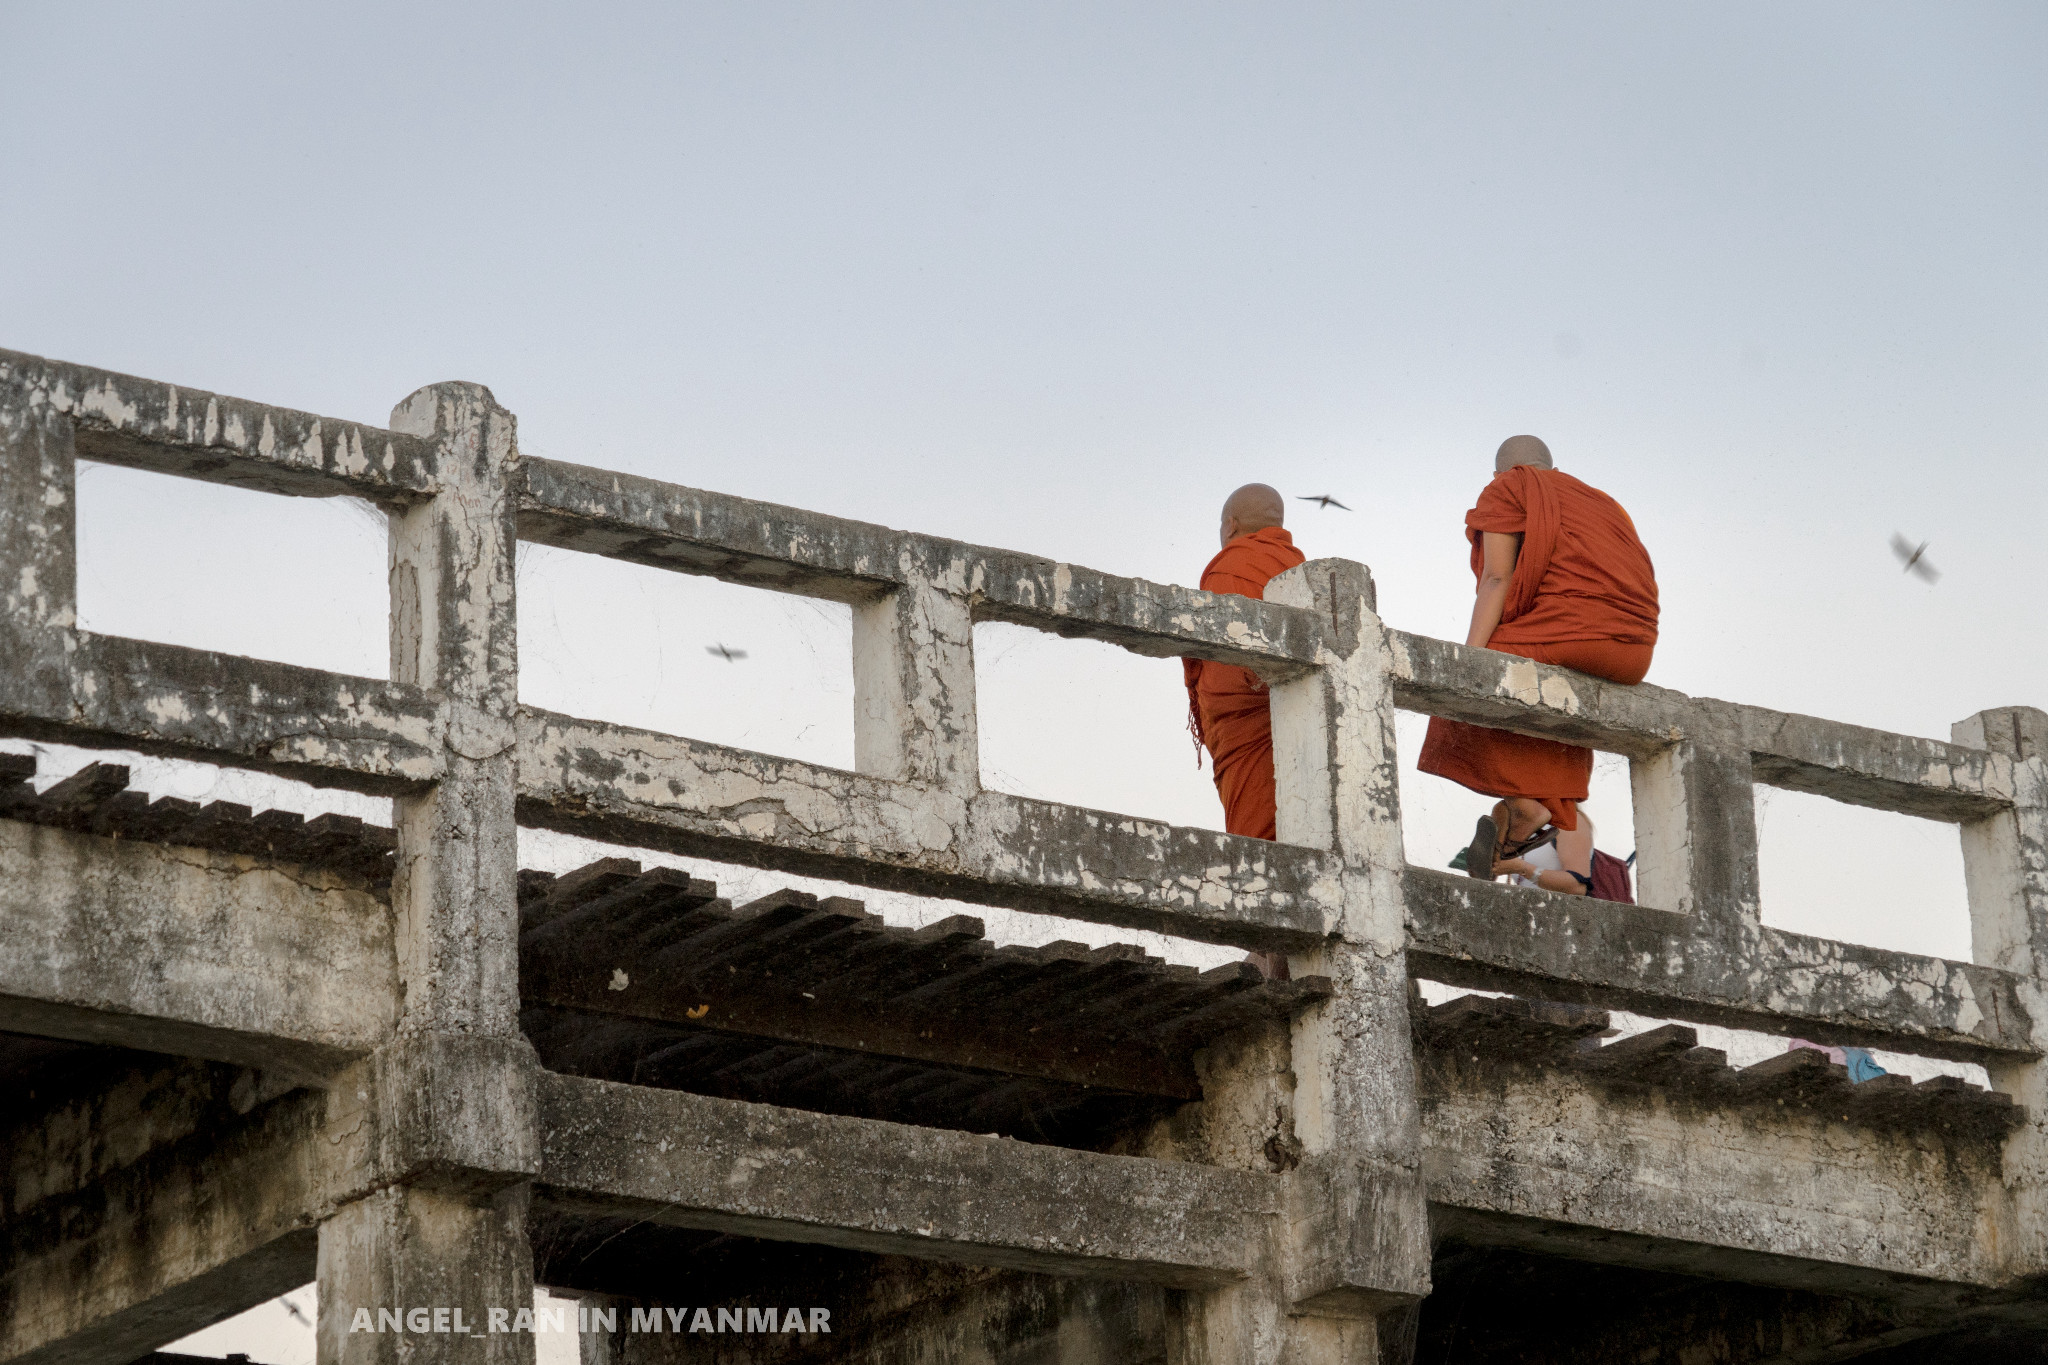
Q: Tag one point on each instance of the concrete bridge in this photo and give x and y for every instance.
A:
(245, 1050)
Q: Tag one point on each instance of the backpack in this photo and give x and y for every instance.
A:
(1610, 879)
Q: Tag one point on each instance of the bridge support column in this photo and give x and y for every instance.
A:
(441, 1241)
(2005, 865)
(1354, 1243)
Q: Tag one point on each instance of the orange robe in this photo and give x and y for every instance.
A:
(1583, 596)
(1227, 705)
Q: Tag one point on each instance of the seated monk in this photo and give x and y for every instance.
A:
(1227, 706)
(1563, 579)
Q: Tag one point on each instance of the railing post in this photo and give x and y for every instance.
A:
(913, 687)
(453, 1235)
(1695, 818)
(1360, 1235)
(2005, 867)
(38, 551)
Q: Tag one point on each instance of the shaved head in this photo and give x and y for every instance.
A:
(1521, 450)
(1253, 507)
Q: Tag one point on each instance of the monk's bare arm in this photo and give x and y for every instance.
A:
(1499, 551)
(1574, 850)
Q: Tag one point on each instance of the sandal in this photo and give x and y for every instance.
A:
(1479, 854)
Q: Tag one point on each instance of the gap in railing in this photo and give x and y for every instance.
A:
(1088, 724)
(1745, 1047)
(185, 562)
(606, 640)
(1437, 815)
(1860, 875)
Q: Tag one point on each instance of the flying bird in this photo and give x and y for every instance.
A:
(1324, 501)
(1911, 557)
(729, 655)
(293, 1309)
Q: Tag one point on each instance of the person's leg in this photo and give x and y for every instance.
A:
(1525, 815)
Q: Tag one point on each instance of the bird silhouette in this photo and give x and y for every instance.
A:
(1911, 556)
(1324, 501)
(729, 655)
(293, 1309)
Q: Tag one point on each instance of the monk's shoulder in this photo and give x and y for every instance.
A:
(1499, 507)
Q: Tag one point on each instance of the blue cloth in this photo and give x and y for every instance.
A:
(1862, 1067)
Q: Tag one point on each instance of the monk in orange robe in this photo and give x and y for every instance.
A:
(1227, 705)
(1563, 579)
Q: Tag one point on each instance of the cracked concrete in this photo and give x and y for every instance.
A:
(390, 1126)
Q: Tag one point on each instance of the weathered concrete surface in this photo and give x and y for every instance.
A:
(457, 1108)
(1925, 777)
(913, 688)
(1291, 1212)
(1495, 937)
(639, 788)
(174, 949)
(754, 1170)
(326, 728)
(904, 1312)
(453, 629)
(764, 545)
(148, 424)
(1359, 1239)
(1696, 840)
(174, 1198)
(2005, 863)
(185, 1193)
(1789, 1198)
(403, 1247)
(38, 554)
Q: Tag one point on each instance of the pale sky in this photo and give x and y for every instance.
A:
(1058, 277)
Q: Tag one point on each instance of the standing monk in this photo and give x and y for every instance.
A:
(1563, 579)
(1227, 705)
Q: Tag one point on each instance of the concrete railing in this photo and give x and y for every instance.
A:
(913, 815)
(431, 1110)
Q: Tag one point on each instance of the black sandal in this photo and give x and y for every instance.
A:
(1480, 853)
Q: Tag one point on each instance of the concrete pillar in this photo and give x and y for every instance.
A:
(1356, 1240)
(440, 1241)
(408, 1249)
(913, 688)
(453, 629)
(1696, 837)
(2005, 865)
(38, 553)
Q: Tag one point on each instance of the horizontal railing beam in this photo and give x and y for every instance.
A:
(648, 790)
(1483, 687)
(763, 545)
(755, 1170)
(1489, 936)
(1851, 763)
(148, 424)
(1877, 768)
(330, 729)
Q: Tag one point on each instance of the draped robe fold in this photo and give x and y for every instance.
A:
(1583, 596)
(1228, 707)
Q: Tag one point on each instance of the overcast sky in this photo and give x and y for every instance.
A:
(1056, 278)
